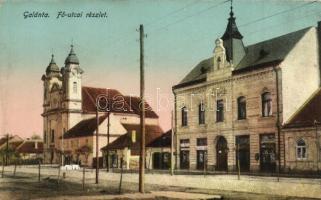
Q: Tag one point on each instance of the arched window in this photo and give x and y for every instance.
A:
(218, 62)
(184, 116)
(301, 150)
(52, 136)
(201, 113)
(219, 111)
(74, 87)
(266, 104)
(241, 107)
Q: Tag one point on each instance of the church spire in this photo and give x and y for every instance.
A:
(72, 58)
(231, 29)
(232, 40)
(52, 67)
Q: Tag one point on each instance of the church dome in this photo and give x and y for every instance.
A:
(72, 58)
(52, 67)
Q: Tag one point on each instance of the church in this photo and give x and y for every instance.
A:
(253, 108)
(71, 114)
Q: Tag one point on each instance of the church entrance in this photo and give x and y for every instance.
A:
(221, 154)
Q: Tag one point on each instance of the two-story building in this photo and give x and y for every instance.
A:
(231, 108)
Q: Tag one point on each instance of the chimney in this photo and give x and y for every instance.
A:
(319, 48)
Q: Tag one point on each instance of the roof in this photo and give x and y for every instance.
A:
(84, 128)
(163, 140)
(308, 114)
(28, 146)
(52, 67)
(72, 58)
(116, 102)
(263, 54)
(152, 132)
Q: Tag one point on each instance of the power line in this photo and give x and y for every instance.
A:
(192, 15)
(172, 13)
(278, 13)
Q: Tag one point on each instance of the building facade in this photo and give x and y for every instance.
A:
(231, 108)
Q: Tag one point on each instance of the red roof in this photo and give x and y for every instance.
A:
(308, 114)
(162, 141)
(116, 102)
(84, 128)
(29, 147)
(152, 132)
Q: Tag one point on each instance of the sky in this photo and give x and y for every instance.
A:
(180, 33)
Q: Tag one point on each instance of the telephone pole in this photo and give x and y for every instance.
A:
(142, 113)
(97, 134)
(108, 136)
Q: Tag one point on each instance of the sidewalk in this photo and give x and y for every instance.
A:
(294, 187)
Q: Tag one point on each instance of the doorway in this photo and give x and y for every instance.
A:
(243, 152)
(267, 153)
(221, 154)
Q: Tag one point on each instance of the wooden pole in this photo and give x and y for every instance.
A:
(238, 162)
(108, 137)
(2, 172)
(7, 149)
(97, 148)
(83, 178)
(121, 175)
(278, 124)
(142, 113)
(172, 145)
(39, 170)
(15, 168)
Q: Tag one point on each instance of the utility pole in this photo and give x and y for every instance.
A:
(172, 145)
(107, 149)
(7, 149)
(97, 158)
(142, 113)
(278, 124)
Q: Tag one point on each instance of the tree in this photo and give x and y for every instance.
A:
(35, 136)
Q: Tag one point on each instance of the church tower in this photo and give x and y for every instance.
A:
(52, 91)
(72, 99)
(232, 40)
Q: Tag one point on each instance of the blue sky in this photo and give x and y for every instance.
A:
(180, 33)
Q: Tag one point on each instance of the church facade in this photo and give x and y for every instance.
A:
(233, 109)
(72, 111)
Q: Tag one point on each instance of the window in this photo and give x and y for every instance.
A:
(45, 137)
(266, 104)
(52, 136)
(241, 108)
(301, 149)
(184, 116)
(201, 114)
(74, 87)
(219, 111)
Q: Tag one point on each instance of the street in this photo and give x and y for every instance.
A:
(25, 186)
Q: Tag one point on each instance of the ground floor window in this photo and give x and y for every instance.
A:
(201, 159)
(184, 154)
(184, 159)
(114, 160)
(161, 160)
(301, 150)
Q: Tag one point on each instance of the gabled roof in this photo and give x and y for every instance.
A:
(84, 128)
(162, 141)
(117, 103)
(152, 132)
(263, 54)
(308, 114)
(29, 146)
